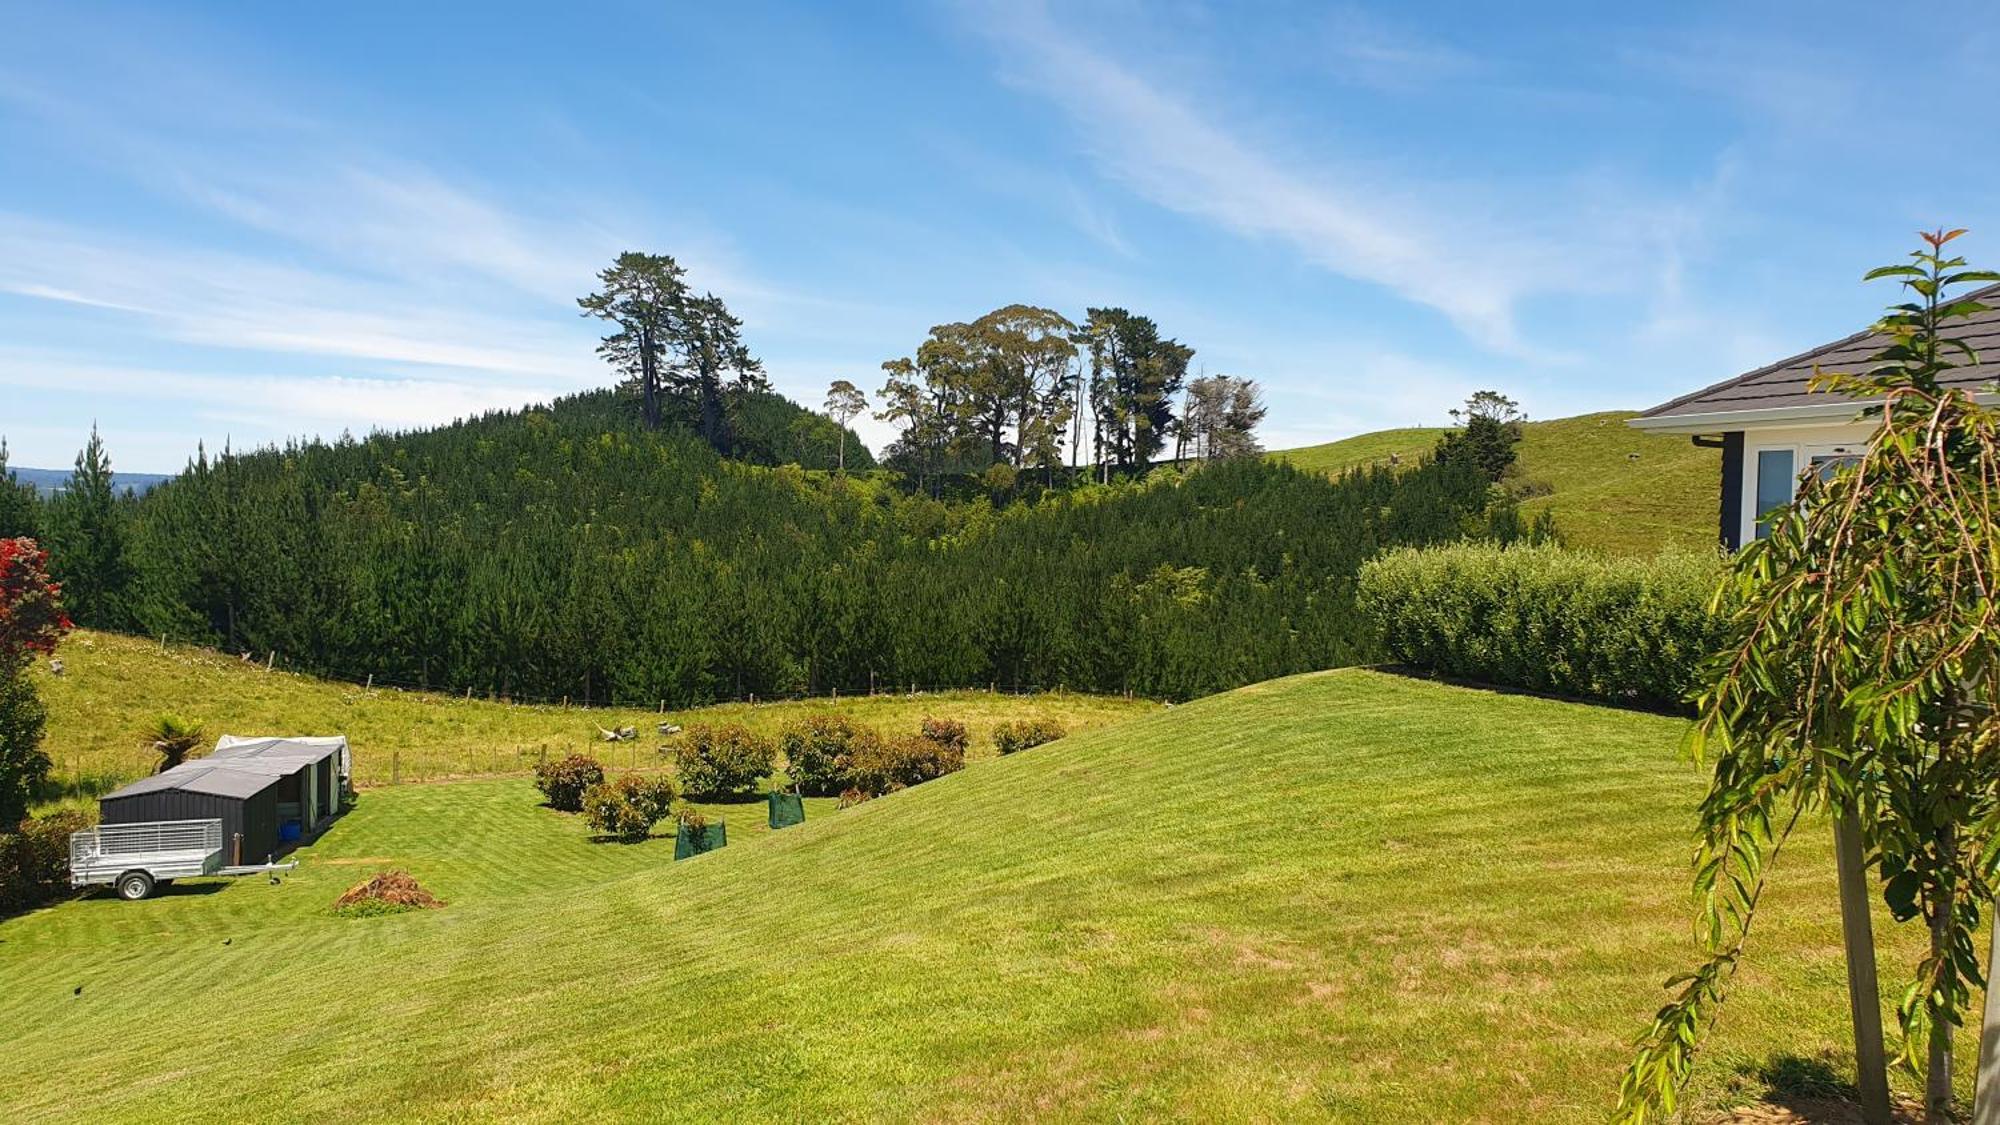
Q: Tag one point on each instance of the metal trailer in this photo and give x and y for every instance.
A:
(135, 858)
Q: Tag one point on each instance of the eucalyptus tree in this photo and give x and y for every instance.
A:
(1032, 354)
(844, 403)
(646, 297)
(968, 389)
(1860, 680)
(912, 406)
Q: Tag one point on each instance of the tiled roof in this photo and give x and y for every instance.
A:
(1783, 383)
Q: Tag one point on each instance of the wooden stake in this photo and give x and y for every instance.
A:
(271, 661)
(396, 768)
(371, 682)
(1986, 1088)
(1864, 999)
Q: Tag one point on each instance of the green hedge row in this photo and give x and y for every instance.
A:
(1627, 631)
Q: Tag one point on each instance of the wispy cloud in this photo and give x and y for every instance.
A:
(1469, 261)
(299, 405)
(235, 301)
(1365, 48)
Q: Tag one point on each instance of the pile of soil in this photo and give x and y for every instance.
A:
(390, 888)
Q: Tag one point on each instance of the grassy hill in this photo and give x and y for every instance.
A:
(1611, 487)
(1340, 896)
(1363, 450)
(113, 686)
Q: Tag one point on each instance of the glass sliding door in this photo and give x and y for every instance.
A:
(1777, 477)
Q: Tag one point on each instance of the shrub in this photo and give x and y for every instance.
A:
(949, 733)
(563, 782)
(34, 859)
(1025, 734)
(815, 748)
(627, 809)
(722, 761)
(883, 765)
(1628, 631)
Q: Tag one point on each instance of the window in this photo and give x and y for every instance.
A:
(1776, 478)
(1825, 464)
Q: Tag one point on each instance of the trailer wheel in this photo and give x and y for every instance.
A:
(134, 885)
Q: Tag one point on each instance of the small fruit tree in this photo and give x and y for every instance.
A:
(1859, 680)
(31, 621)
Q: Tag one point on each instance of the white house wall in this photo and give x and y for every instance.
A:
(1803, 441)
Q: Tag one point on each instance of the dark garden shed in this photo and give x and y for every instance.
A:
(269, 793)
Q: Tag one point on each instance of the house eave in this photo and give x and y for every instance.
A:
(1834, 412)
(1723, 421)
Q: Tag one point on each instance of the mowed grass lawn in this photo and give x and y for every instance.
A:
(114, 686)
(1343, 896)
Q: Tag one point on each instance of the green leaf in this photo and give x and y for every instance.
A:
(1900, 893)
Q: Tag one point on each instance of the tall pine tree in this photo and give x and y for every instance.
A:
(20, 515)
(86, 540)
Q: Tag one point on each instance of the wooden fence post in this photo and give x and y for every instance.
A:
(1864, 999)
(1986, 1089)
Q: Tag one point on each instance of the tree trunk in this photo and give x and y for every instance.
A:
(711, 411)
(1937, 1074)
(649, 381)
(1864, 999)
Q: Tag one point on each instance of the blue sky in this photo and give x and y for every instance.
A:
(249, 221)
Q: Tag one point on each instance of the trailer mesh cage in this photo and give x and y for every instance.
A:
(152, 838)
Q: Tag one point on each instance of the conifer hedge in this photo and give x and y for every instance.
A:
(1626, 631)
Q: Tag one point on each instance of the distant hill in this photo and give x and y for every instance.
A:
(51, 481)
(1611, 487)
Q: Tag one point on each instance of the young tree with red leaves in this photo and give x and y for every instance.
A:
(31, 622)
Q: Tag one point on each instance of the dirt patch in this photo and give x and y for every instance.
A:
(1815, 1111)
(396, 890)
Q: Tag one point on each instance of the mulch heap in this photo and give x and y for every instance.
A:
(390, 888)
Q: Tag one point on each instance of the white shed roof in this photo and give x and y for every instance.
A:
(241, 767)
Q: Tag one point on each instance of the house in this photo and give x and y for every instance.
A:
(1772, 430)
(268, 793)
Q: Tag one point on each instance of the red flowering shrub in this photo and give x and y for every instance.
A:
(31, 621)
(31, 616)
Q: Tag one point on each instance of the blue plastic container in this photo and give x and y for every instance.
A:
(290, 831)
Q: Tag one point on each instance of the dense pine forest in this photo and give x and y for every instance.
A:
(570, 551)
